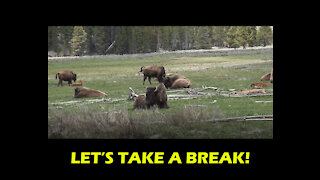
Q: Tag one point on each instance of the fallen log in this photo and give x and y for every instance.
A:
(244, 118)
(108, 100)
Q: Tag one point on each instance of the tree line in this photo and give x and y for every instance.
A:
(100, 40)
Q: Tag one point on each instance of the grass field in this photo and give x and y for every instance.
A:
(184, 118)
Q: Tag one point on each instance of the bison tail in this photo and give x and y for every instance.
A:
(57, 75)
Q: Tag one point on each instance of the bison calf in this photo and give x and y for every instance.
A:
(157, 96)
(80, 83)
(87, 92)
(66, 76)
(258, 85)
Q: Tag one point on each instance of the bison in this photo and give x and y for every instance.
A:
(181, 83)
(87, 92)
(258, 85)
(66, 76)
(153, 71)
(176, 81)
(157, 96)
(265, 77)
(140, 102)
(80, 83)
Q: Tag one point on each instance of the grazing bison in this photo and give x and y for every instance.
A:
(181, 83)
(157, 96)
(153, 71)
(140, 102)
(87, 92)
(66, 76)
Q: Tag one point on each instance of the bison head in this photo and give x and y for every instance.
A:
(141, 69)
(151, 94)
(76, 91)
(74, 77)
(167, 82)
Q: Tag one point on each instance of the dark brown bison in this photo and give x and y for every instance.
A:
(157, 96)
(87, 92)
(140, 102)
(66, 76)
(153, 71)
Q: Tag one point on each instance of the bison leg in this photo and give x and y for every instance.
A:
(144, 79)
(149, 78)
(60, 82)
(69, 82)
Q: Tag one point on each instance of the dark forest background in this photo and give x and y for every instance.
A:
(101, 40)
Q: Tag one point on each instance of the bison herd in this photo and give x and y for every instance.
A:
(154, 96)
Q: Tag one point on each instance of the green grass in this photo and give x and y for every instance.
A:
(114, 76)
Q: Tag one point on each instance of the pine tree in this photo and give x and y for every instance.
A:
(231, 37)
(52, 38)
(78, 41)
(252, 40)
(244, 35)
(203, 39)
(166, 37)
(121, 46)
(219, 35)
(264, 35)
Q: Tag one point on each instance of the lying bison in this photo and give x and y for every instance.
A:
(176, 81)
(267, 77)
(66, 76)
(140, 102)
(87, 92)
(153, 71)
(157, 96)
(181, 83)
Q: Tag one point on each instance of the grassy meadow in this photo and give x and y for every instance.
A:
(185, 117)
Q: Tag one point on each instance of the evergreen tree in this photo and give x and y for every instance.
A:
(64, 37)
(166, 37)
(252, 40)
(264, 35)
(91, 49)
(203, 39)
(231, 37)
(244, 35)
(78, 41)
(219, 35)
(52, 38)
(121, 46)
